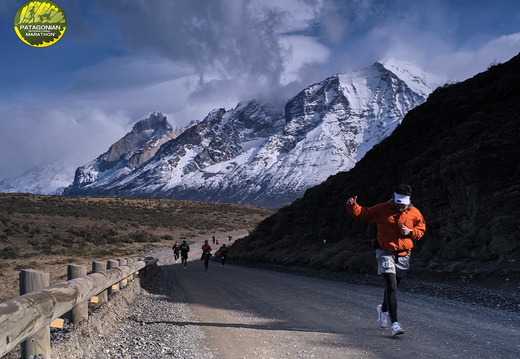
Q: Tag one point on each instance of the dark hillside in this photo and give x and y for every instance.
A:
(460, 153)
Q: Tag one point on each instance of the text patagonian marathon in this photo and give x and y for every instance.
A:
(40, 27)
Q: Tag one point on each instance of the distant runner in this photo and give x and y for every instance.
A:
(223, 254)
(175, 251)
(184, 248)
(206, 253)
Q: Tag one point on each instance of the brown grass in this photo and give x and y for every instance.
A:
(49, 232)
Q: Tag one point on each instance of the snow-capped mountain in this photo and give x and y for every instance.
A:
(261, 155)
(49, 178)
(127, 154)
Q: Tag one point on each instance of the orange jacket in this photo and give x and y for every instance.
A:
(389, 221)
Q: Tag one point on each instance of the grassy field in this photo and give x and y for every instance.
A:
(49, 232)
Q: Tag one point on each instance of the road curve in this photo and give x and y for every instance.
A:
(252, 313)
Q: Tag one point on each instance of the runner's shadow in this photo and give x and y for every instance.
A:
(272, 326)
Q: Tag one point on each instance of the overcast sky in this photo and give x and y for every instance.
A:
(120, 60)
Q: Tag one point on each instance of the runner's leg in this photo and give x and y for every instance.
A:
(390, 296)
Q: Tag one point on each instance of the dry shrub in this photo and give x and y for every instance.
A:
(52, 231)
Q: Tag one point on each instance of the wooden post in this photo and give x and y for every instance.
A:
(131, 261)
(112, 264)
(96, 268)
(80, 311)
(26, 315)
(40, 342)
(122, 262)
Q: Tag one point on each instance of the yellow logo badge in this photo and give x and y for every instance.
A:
(40, 23)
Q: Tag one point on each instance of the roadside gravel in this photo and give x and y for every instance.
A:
(148, 322)
(151, 318)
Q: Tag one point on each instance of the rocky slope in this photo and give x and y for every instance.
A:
(460, 153)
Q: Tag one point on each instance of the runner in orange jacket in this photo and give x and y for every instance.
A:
(399, 223)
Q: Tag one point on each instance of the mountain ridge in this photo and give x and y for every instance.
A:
(256, 154)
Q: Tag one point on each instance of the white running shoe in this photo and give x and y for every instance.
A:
(382, 317)
(396, 329)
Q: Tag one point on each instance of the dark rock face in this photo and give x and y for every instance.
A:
(460, 152)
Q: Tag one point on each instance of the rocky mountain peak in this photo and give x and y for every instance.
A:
(256, 153)
(130, 152)
(156, 122)
(140, 144)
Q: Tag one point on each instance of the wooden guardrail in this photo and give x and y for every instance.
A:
(30, 315)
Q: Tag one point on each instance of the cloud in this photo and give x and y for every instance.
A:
(124, 59)
(210, 36)
(226, 41)
(133, 84)
(460, 65)
(56, 134)
(438, 37)
(304, 51)
(118, 73)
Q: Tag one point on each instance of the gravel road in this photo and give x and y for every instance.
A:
(239, 312)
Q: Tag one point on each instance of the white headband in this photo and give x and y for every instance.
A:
(401, 199)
